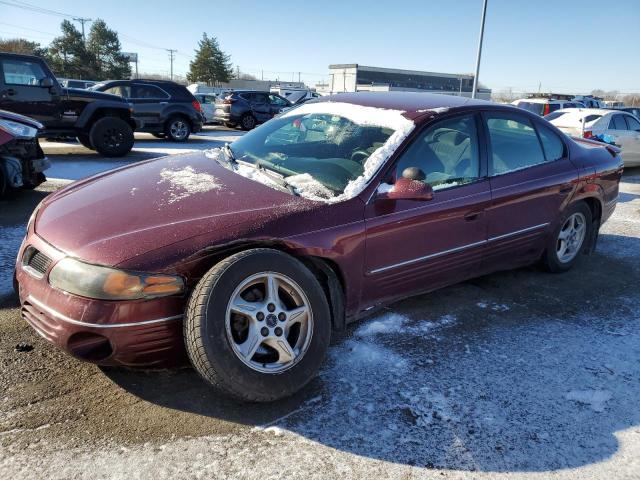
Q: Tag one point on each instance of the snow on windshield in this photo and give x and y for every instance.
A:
(304, 184)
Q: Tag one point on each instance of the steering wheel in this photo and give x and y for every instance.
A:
(355, 156)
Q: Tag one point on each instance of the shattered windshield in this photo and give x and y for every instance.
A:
(318, 154)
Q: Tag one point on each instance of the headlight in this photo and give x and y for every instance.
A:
(18, 130)
(106, 283)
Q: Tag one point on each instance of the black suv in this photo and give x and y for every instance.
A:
(248, 108)
(164, 108)
(100, 122)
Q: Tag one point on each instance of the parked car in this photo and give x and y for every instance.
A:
(622, 128)
(248, 108)
(22, 162)
(544, 106)
(251, 254)
(589, 101)
(72, 83)
(100, 122)
(207, 102)
(632, 110)
(165, 109)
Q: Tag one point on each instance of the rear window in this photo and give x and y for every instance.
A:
(554, 115)
(531, 107)
(591, 118)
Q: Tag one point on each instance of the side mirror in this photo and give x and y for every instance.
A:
(406, 189)
(46, 82)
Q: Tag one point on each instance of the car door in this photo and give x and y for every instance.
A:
(21, 90)
(260, 106)
(420, 245)
(278, 104)
(531, 180)
(149, 102)
(625, 130)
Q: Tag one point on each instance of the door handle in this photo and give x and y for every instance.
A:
(471, 216)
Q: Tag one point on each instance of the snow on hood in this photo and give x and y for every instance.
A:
(305, 185)
(184, 182)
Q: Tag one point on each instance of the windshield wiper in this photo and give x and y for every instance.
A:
(229, 153)
(277, 177)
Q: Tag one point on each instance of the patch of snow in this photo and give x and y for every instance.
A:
(596, 399)
(185, 182)
(308, 187)
(389, 323)
(482, 304)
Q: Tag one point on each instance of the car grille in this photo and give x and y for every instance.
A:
(35, 261)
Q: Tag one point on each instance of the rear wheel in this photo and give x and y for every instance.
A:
(85, 141)
(177, 129)
(569, 239)
(248, 122)
(258, 325)
(111, 137)
(4, 183)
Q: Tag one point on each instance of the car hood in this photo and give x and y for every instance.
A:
(15, 117)
(123, 213)
(81, 93)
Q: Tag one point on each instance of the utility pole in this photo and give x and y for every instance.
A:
(172, 53)
(82, 22)
(298, 77)
(475, 78)
(238, 72)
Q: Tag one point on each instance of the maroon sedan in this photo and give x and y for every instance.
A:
(245, 258)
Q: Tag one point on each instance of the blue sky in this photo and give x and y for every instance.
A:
(566, 45)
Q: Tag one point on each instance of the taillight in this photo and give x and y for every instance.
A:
(546, 110)
(196, 105)
(587, 134)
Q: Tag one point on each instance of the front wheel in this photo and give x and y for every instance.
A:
(85, 141)
(111, 137)
(257, 325)
(569, 239)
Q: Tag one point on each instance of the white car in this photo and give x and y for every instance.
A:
(545, 106)
(622, 127)
(208, 104)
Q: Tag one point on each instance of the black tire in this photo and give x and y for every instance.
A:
(206, 337)
(85, 141)
(4, 184)
(111, 137)
(177, 129)
(550, 258)
(230, 125)
(159, 135)
(248, 122)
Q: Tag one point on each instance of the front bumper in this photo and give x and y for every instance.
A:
(133, 333)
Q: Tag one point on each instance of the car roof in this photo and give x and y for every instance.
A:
(544, 100)
(588, 111)
(409, 102)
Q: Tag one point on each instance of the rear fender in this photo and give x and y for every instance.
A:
(96, 110)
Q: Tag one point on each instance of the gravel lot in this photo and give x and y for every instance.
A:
(520, 374)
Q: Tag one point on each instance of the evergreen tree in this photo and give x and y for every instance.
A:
(210, 65)
(67, 54)
(104, 47)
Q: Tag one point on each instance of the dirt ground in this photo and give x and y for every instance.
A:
(520, 374)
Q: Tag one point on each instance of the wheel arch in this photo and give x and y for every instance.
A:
(595, 206)
(92, 114)
(326, 271)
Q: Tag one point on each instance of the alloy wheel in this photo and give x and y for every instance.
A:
(571, 237)
(269, 322)
(179, 129)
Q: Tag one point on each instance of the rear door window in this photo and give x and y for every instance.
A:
(123, 91)
(514, 144)
(551, 144)
(148, 92)
(617, 123)
(632, 123)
